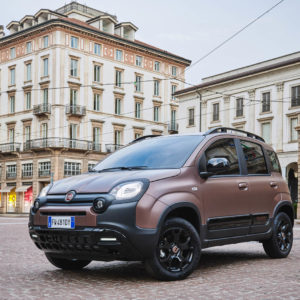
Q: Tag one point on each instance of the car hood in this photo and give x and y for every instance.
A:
(105, 181)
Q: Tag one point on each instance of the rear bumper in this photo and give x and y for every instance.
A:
(114, 237)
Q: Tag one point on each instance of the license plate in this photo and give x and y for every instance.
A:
(61, 222)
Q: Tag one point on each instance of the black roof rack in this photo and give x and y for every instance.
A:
(226, 129)
(144, 137)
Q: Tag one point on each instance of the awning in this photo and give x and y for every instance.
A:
(23, 188)
(7, 189)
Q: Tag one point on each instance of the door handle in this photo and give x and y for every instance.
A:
(273, 184)
(243, 186)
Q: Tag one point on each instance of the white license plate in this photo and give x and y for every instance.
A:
(61, 222)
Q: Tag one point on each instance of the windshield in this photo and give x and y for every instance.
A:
(169, 152)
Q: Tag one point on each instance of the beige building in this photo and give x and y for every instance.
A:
(75, 84)
(263, 98)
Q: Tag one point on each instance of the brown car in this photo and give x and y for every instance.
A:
(162, 199)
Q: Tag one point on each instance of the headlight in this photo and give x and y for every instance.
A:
(44, 191)
(127, 190)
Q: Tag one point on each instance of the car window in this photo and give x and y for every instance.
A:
(170, 152)
(254, 157)
(224, 148)
(275, 165)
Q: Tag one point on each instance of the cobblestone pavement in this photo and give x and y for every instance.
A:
(241, 271)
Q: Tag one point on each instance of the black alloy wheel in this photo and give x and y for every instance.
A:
(177, 253)
(280, 244)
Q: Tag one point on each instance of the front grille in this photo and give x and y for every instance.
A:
(75, 241)
(49, 213)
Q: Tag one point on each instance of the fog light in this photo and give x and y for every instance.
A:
(34, 236)
(99, 205)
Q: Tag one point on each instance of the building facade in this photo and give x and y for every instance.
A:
(75, 85)
(263, 98)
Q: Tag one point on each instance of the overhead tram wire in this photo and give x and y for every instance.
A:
(176, 78)
(186, 69)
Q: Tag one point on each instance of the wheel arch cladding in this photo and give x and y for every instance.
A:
(287, 208)
(184, 210)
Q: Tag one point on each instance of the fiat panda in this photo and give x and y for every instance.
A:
(162, 199)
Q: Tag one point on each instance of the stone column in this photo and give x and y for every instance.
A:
(252, 105)
(298, 162)
(279, 122)
(204, 125)
(226, 122)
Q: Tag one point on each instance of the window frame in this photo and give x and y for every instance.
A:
(74, 42)
(264, 103)
(239, 111)
(243, 160)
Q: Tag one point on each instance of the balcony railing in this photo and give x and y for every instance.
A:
(44, 173)
(112, 147)
(42, 109)
(27, 174)
(61, 143)
(11, 175)
(75, 110)
(173, 127)
(10, 147)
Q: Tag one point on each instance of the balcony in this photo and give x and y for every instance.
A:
(75, 110)
(112, 147)
(45, 173)
(173, 128)
(42, 109)
(27, 174)
(10, 147)
(11, 175)
(40, 144)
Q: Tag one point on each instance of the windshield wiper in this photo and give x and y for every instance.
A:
(123, 168)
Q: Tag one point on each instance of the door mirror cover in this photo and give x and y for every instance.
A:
(217, 165)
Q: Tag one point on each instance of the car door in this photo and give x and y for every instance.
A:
(226, 193)
(263, 186)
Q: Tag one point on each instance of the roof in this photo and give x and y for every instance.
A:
(84, 24)
(254, 71)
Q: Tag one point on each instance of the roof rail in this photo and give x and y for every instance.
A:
(144, 137)
(226, 129)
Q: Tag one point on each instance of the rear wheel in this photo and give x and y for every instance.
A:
(177, 252)
(280, 244)
(67, 264)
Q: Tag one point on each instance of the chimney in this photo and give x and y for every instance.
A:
(2, 33)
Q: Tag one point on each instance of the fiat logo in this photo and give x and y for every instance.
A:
(69, 196)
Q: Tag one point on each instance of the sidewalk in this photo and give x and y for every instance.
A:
(25, 215)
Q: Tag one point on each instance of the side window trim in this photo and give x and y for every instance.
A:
(241, 157)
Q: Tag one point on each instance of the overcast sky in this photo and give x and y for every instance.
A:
(191, 28)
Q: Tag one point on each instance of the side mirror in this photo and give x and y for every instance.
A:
(217, 165)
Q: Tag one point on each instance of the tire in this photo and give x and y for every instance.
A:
(67, 264)
(177, 252)
(280, 244)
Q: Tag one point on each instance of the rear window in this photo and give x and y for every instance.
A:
(275, 165)
(254, 157)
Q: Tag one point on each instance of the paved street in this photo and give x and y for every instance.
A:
(230, 272)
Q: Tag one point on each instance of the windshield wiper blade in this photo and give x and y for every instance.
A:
(123, 168)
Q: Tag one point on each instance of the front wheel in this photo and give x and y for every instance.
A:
(280, 244)
(67, 264)
(177, 252)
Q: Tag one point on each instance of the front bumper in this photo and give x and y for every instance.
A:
(113, 236)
